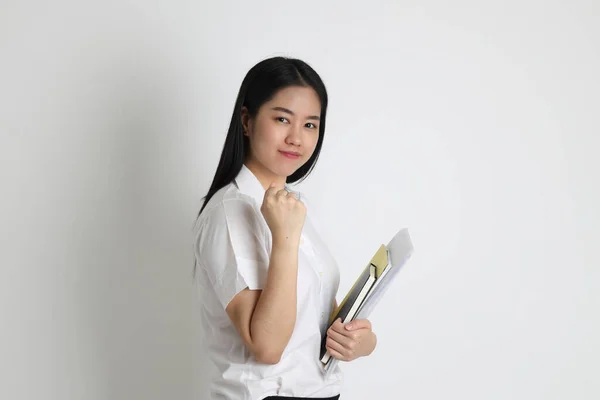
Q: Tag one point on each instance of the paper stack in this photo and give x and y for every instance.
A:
(370, 286)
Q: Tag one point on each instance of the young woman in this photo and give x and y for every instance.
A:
(266, 279)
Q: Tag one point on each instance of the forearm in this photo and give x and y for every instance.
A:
(275, 313)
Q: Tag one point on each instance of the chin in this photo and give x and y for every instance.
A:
(284, 167)
(288, 172)
(285, 170)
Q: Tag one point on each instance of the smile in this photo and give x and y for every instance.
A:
(290, 155)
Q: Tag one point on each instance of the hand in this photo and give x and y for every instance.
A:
(350, 341)
(284, 214)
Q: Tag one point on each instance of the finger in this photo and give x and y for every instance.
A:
(347, 342)
(336, 355)
(282, 194)
(353, 334)
(271, 190)
(294, 195)
(358, 324)
(339, 328)
(290, 193)
(338, 325)
(336, 350)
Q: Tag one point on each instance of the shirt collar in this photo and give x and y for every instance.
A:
(249, 184)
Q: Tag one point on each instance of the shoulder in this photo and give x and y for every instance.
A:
(229, 229)
(227, 201)
(229, 212)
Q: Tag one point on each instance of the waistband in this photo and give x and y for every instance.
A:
(301, 398)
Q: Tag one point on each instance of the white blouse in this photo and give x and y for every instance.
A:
(232, 250)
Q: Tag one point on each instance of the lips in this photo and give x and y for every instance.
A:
(290, 154)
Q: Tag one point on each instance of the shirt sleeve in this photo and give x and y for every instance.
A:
(231, 247)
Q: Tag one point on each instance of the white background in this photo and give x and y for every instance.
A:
(476, 125)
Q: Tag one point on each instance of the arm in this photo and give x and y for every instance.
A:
(265, 318)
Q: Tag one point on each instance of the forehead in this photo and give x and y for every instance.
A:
(303, 100)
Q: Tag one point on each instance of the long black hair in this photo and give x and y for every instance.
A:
(260, 85)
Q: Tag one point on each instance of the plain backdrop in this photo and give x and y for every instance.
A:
(475, 124)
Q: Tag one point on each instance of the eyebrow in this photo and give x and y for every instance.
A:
(285, 110)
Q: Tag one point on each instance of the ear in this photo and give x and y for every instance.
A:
(246, 121)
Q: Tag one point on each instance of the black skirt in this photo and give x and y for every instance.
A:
(301, 398)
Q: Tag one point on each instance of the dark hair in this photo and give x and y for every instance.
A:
(260, 85)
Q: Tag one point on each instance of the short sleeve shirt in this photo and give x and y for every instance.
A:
(232, 250)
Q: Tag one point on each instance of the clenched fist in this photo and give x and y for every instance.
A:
(284, 214)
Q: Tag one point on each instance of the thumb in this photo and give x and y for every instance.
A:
(272, 185)
(271, 190)
(358, 324)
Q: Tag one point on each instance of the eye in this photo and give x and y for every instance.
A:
(310, 125)
(282, 119)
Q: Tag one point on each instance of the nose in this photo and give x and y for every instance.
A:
(294, 136)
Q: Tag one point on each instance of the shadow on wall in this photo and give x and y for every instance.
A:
(137, 303)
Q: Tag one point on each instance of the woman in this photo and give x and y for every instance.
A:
(266, 279)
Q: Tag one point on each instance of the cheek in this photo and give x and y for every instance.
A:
(311, 142)
(265, 137)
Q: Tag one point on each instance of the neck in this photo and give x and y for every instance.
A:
(264, 175)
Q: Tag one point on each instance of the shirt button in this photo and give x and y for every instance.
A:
(321, 274)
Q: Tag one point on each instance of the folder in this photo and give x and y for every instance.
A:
(370, 286)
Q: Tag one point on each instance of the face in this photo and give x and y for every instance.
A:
(284, 133)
